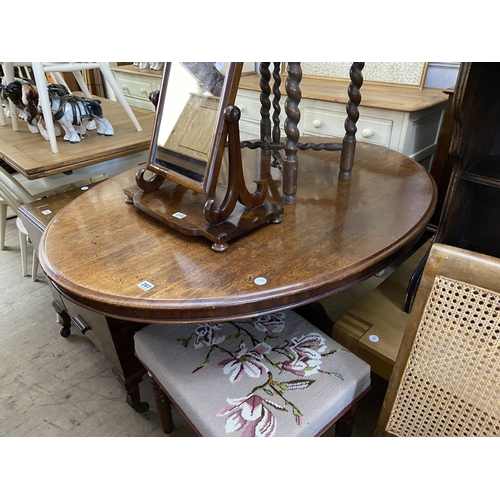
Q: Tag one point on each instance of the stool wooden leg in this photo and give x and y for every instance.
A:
(163, 406)
(344, 425)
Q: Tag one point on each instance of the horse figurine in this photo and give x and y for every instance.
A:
(75, 114)
(25, 96)
(27, 111)
(71, 111)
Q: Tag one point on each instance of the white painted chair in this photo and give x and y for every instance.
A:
(12, 194)
(275, 375)
(55, 69)
(8, 70)
(3, 122)
(3, 222)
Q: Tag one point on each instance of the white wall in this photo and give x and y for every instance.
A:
(440, 75)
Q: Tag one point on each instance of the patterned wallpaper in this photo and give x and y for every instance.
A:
(404, 73)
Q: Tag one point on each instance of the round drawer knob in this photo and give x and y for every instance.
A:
(317, 123)
(125, 88)
(367, 133)
(144, 91)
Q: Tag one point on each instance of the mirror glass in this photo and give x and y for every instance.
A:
(189, 128)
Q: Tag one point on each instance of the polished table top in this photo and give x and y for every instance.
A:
(98, 248)
(30, 154)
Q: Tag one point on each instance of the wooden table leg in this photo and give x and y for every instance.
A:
(113, 337)
(117, 344)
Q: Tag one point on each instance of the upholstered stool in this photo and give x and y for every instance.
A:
(274, 375)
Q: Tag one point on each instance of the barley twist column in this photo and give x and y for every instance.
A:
(349, 142)
(290, 163)
(276, 114)
(276, 101)
(265, 122)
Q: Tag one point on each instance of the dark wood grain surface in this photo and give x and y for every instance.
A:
(98, 249)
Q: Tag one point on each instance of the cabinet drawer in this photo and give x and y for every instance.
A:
(140, 103)
(250, 108)
(331, 124)
(134, 88)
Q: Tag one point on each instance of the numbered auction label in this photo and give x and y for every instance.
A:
(146, 285)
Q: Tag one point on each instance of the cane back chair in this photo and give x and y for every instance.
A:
(446, 379)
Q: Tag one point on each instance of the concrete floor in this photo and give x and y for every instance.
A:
(55, 386)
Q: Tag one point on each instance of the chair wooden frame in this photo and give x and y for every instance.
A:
(440, 385)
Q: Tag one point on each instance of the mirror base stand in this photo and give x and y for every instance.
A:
(182, 209)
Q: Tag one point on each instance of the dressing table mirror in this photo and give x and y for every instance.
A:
(196, 134)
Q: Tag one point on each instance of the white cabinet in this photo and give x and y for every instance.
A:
(137, 84)
(411, 127)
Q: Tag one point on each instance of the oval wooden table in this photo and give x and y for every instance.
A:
(98, 249)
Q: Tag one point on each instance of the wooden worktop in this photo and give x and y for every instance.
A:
(30, 154)
(373, 95)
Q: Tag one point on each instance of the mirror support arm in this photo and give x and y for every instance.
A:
(149, 185)
(237, 190)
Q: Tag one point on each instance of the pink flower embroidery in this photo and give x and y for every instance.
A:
(273, 323)
(207, 334)
(245, 361)
(251, 415)
(306, 352)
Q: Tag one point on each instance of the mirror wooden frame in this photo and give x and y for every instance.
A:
(216, 152)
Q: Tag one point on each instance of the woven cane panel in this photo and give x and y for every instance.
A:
(450, 386)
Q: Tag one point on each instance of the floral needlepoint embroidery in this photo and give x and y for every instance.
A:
(207, 334)
(305, 354)
(246, 361)
(272, 323)
(250, 415)
(255, 348)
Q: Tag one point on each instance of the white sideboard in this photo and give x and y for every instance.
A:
(406, 119)
(136, 84)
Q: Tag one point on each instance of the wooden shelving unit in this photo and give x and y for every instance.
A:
(470, 218)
